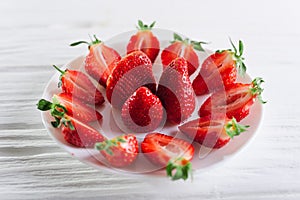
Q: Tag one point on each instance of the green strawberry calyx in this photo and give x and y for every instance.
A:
(108, 144)
(256, 89)
(57, 111)
(94, 41)
(179, 168)
(197, 45)
(144, 27)
(232, 128)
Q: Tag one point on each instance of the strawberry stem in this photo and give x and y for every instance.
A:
(232, 128)
(182, 167)
(58, 69)
(93, 41)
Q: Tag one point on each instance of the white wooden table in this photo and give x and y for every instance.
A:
(35, 34)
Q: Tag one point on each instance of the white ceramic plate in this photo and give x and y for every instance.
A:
(204, 158)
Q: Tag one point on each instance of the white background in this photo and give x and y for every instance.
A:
(36, 34)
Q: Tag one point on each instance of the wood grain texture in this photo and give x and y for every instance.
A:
(35, 34)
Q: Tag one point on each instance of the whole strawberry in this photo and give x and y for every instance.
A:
(131, 72)
(100, 61)
(176, 92)
(120, 151)
(182, 48)
(144, 41)
(143, 111)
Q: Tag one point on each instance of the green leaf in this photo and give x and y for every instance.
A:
(243, 69)
(141, 24)
(241, 48)
(232, 128)
(177, 37)
(198, 45)
(44, 105)
(56, 123)
(152, 25)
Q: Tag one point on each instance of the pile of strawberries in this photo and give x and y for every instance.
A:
(131, 88)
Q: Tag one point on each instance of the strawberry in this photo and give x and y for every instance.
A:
(75, 131)
(216, 81)
(172, 153)
(144, 41)
(120, 151)
(130, 73)
(79, 134)
(143, 111)
(219, 70)
(176, 92)
(78, 84)
(100, 61)
(235, 101)
(212, 131)
(182, 48)
(64, 103)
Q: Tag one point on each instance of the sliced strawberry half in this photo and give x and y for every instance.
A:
(166, 151)
(130, 73)
(220, 69)
(75, 131)
(64, 103)
(212, 131)
(80, 134)
(143, 111)
(236, 100)
(100, 61)
(120, 151)
(144, 41)
(175, 91)
(78, 84)
(182, 48)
